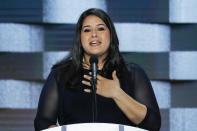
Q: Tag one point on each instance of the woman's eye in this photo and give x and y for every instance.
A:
(101, 29)
(87, 30)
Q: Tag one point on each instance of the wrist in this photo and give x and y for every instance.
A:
(117, 93)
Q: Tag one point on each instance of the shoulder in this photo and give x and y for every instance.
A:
(136, 70)
(61, 69)
(131, 66)
(62, 65)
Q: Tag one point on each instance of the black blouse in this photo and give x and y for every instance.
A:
(73, 105)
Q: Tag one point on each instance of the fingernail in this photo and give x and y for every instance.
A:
(86, 90)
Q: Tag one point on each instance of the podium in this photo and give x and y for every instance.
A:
(94, 127)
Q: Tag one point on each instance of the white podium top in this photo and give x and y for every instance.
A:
(94, 127)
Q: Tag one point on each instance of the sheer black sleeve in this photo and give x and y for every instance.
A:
(48, 104)
(145, 95)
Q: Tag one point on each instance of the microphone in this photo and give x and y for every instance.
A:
(94, 61)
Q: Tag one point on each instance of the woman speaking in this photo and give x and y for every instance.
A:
(124, 92)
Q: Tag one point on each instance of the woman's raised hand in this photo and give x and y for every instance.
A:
(105, 87)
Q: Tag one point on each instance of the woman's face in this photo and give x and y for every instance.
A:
(95, 36)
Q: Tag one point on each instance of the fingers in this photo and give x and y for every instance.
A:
(86, 83)
(114, 76)
(99, 77)
(87, 90)
(87, 77)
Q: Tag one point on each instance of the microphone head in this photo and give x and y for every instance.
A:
(93, 59)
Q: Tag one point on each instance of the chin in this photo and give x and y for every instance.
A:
(97, 53)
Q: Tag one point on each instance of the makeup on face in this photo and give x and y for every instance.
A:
(95, 36)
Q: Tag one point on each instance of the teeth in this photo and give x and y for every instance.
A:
(94, 42)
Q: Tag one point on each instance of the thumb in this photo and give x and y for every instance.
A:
(114, 75)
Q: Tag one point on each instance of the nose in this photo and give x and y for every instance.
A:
(94, 34)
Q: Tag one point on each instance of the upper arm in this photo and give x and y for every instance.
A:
(144, 94)
(143, 89)
(48, 104)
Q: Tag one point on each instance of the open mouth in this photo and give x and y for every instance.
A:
(95, 43)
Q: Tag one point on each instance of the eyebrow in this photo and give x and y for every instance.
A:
(89, 25)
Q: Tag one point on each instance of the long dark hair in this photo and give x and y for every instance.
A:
(113, 61)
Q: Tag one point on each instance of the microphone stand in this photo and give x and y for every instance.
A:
(94, 101)
(93, 62)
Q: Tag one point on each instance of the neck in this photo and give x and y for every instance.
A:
(101, 61)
